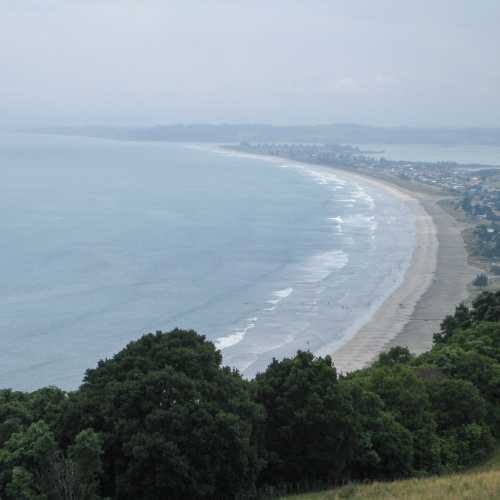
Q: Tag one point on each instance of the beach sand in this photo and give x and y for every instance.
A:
(434, 284)
(448, 288)
(435, 281)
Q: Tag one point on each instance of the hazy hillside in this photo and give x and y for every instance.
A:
(337, 133)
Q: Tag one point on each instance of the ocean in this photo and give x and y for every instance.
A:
(103, 241)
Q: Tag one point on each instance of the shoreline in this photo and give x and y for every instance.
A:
(434, 282)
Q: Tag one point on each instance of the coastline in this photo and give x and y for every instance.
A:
(433, 284)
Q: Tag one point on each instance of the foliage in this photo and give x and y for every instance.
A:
(486, 240)
(481, 280)
(309, 422)
(175, 423)
(384, 448)
(164, 419)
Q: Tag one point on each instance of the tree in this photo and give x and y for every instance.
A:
(309, 432)
(486, 307)
(405, 397)
(451, 323)
(86, 453)
(14, 413)
(22, 486)
(49, 404)
(175, 424)
(25, 457)
(481, 280)
(395, 355)
(384, 448)
(455, 403)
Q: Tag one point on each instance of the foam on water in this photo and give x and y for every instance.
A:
(237, 336)
(278, 297)
(314, 270)
(339, 220)
(318, 267)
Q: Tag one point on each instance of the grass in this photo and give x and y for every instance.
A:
(479, 483)
(470, 486)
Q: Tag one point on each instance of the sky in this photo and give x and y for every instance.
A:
(425, 63)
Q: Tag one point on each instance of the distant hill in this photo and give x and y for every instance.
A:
(335, 133)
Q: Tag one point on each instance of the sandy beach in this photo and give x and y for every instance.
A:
(434, 283)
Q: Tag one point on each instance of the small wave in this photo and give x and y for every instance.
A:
(324, 178)
(363, 221)
(278, 296)
(361, 194)
(236, 337)
(283, 294)
(318, 267)
(339, 220)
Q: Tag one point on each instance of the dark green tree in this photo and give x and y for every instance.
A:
(310, 432)
(384, 448)
(394, 356)
(175, 423)
(405, 397)
(24, 459)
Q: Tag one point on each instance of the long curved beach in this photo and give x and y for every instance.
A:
(434, 283)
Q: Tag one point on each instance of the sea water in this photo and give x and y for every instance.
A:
(103, 241)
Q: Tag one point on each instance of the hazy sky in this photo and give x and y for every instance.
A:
(143, 62)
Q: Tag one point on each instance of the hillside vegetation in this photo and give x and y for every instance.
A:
(164, 419)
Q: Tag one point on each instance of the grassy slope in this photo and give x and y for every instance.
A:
(479, 483)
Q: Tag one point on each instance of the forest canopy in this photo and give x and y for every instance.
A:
(164, 419)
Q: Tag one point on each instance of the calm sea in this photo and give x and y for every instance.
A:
(103, 241)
